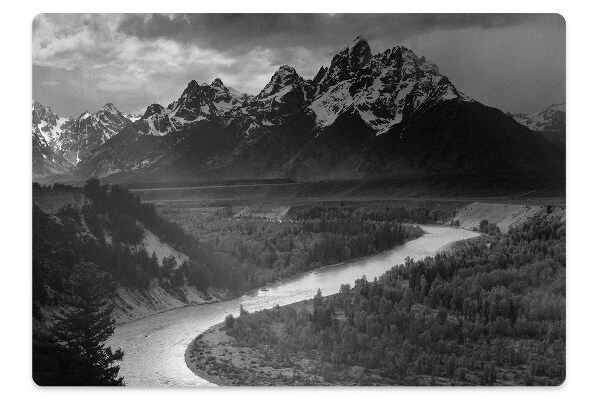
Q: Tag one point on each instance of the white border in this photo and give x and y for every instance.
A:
(582, 194)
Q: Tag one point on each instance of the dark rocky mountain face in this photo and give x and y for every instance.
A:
(285, 94)
(345, 65)
(457, 136)
(365, 115)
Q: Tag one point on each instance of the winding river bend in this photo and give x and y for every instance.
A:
(155, 346)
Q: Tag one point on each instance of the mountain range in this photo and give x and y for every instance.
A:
(363, 116)
(60, 143)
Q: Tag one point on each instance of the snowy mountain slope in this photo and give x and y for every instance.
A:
(362, 109)
(46, 123)
(382, 88)
(551, 120)
(45, 161)
(45, 132)
(89, 131)
(344, 66)
(286, 93)
(216, 103)
(197, 103)
(133, 117)
(60, 143)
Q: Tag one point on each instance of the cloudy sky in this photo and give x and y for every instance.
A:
(80, 62)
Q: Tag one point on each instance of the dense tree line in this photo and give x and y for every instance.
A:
(241, 254)
(104, 238)
(100, 246)
(122, 210)
(418, 214)
(490, 312)
(488, 228)
(252, 252)
(57, 186)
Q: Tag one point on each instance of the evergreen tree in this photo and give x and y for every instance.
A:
(73, 352)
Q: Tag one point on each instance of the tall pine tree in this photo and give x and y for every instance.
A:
(73, 353)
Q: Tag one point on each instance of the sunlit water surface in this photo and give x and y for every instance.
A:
(155, 346)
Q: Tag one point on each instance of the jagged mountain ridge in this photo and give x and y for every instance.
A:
(89, 131)
(550, 122)
(285, 92)
(197, 103)
(46, 129)
(355, 119)
(382, 88)
(379, 87)
(552, 119)
(58, 143)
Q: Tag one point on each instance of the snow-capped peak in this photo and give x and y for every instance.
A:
(46, 123)
(283, 77)
(90, 130)
(110, 107)
(153, 109)
(132, 117)
(552, 119)
(198, 102)
(192, 85)
(359, 52)
(320, 75)
(562, 107)
(217, 83)
(345, 64)
(69, 139)
(202, 102)
(39, 108)
(382, 88)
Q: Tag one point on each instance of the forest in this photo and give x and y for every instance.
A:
(82, 254)
(101, 243)
(489, 312)
(259, 251)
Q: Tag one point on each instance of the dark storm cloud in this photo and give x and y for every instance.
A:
(515, 62)
(232, 31)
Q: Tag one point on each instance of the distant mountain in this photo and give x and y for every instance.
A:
(551, 122)
(133, 117)
(197, 103)
(89, 131)
(45, 132)
(363, 116)
(59, 143)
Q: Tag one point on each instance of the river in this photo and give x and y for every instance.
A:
(155, 346)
